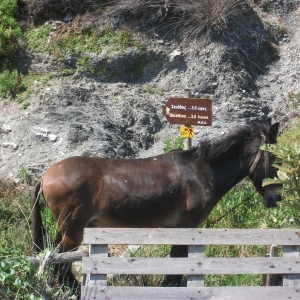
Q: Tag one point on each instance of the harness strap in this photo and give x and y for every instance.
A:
(267, 163)
(258, 156)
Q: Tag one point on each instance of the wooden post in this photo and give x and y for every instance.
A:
(188, 141)
(196, 252)
(96, 252)
(271, 279)
(291, 280)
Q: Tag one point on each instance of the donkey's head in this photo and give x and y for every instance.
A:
(262, 166)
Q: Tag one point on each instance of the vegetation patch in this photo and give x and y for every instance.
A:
(37, 38)
(72, 39)
(173, 144)
(18, 278)
(14, 85)
(294, 99)
(9, 30)
(287, 151)
(21, 280)
(11, 84)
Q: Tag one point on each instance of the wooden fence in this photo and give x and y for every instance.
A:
(195, 266)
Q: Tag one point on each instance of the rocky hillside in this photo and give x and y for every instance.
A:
(111, 103)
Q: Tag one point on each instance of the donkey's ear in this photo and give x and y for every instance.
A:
(268, 122)
(273, 133)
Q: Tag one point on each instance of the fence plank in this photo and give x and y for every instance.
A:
(190, 266)
(60, 258)
(191, 236)
(292, 279)
(195, 252)
(183, 293)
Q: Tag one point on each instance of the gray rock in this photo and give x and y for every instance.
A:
(11, 145)
(6, 128)
(52, 137)
(40, 131)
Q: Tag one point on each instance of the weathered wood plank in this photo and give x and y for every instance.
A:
(191, 266)
(191, 236)
(61, 258)
(195, 252)
(291, 279)
(202, 293)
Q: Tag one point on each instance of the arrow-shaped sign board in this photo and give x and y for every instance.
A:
(189, 111)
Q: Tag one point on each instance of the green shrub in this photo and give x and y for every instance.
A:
(177, 143)
(11, 83)
(9, 28)
(37, 38)
(19, 279)
(14, 278)
(287, 151)
(125, 39)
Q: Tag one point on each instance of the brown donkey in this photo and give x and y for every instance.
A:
(177, 189)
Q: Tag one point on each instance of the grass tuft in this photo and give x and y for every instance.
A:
(191, 17)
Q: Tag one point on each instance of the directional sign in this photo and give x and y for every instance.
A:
(189, 111)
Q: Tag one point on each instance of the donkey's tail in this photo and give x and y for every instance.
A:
(37, 225)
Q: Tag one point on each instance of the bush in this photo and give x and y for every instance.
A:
(175, 144)
(14, 276)
(19, 279)
(11, 84)
(287, 151)
(9, 28)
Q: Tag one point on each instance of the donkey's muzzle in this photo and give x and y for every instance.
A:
(271, 201)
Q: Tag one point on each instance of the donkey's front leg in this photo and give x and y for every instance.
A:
(176, 251)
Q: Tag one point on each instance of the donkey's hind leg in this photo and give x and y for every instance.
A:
(176, 251)
(66, 277)
(70, 242)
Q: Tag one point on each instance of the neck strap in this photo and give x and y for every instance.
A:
(257, 158)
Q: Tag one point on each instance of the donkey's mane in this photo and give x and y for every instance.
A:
(228, 145)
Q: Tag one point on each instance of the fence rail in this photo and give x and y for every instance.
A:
(98, 264)
(59, 258)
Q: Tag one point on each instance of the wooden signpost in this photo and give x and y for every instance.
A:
(188, 112)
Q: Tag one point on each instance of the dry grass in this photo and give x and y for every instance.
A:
(207, 16)
(192, 17)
